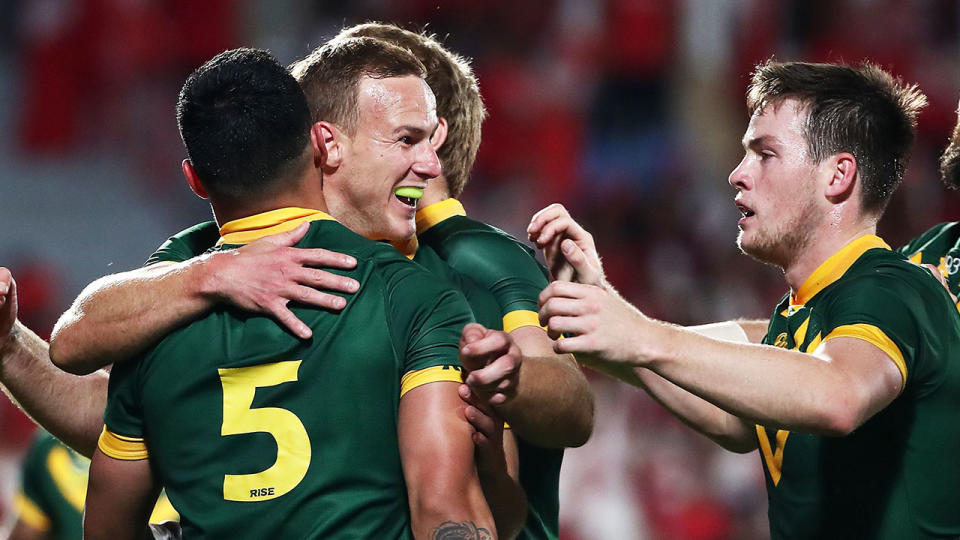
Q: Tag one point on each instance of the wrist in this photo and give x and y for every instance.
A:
(10, 341)
(205, 275)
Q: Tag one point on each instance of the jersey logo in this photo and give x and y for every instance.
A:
(781, 341)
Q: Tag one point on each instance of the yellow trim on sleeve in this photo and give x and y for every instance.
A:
(250, 228)
(30, 513)
(122, 448)
(420, 377)
(916, 258)
(520, 318)
(428, 216)
(875, 336)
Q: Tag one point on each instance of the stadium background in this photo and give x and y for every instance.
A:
(627, 111)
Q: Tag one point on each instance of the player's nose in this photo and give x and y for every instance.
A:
(739, 178)
(427, 164)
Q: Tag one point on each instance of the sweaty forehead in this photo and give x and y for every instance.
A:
(784, 120)
(407, 98)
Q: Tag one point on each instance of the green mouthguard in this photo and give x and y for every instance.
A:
(411, 192)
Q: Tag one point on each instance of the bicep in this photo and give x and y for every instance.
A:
(435, 438)
(872, 376)
(120, 497)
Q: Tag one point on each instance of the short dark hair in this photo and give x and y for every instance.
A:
(950, 159)
(245, 123)
(862, 110)
(451, 78)
(330, 75)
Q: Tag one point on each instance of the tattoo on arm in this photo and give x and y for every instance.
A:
(465, 530)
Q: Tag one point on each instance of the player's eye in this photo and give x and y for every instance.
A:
(406, 139)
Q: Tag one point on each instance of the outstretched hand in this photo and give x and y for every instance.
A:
(267, 274)
(603, 330)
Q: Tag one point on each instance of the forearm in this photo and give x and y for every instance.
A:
(718, 425)
(554, 406)
(501, 488)
(68, 406)
(756, 383)
(119, 316)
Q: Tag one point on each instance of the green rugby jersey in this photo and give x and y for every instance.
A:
(896, 476)
(197, 239)
(54, 487)
(507, 268)
(940, 246)
(255, 433)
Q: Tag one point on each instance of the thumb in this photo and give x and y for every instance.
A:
(472, 332)
(586, 273)
(290, 238)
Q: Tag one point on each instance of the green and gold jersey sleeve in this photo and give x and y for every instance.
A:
(186, 244)
(939, 246)
(490, 257)
(123, 433)
(428, 317)
(893, 307)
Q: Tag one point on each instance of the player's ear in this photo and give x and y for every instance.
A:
(317, 146)
(440, 135)
(194, 180)
(329, 142)
(843, 176)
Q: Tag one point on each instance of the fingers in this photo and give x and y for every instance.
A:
(286, 317)
(495, 376)
(485, 425)
(936, 273)
(564, 289)
(323, 257)
(471, 332)
(321, 279)
(541, 218)
(288, 238)
(5, 281)
(483, 347)
(561, 306)
(585, 271)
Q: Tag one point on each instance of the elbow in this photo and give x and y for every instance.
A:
(64, 354)
(737, 445)
(581, 430)
(837, 417)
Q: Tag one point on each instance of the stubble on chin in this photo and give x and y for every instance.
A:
(782, 246)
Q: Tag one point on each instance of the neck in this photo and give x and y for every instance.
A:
(305, 192)
(437, 191)
(821, 247)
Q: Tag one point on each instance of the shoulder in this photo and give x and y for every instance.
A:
(187, 243)
(940, 237)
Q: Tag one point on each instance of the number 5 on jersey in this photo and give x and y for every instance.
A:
(293, 444)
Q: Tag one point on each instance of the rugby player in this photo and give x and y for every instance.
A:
(848, 396)
(548, 403)
(369, 435)
(53, 487)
